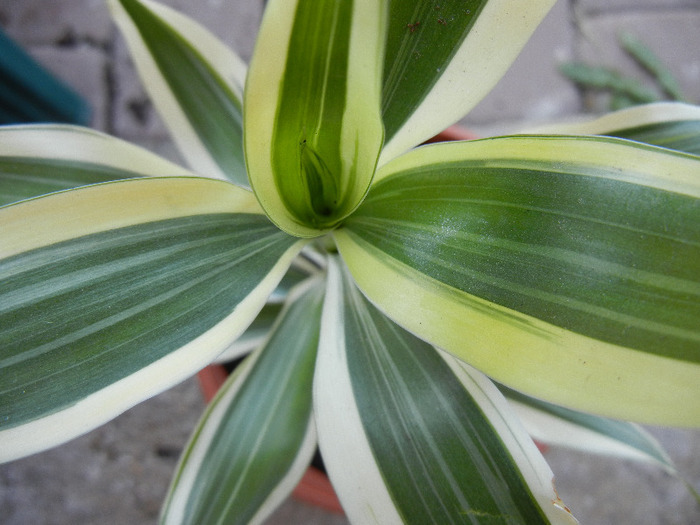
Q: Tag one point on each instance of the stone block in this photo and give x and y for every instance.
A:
(610, 490)
(672, 36)
(587, 7)
(134, 115)
(236, 22)
(533, 89)
(42, 22)
(83, 68)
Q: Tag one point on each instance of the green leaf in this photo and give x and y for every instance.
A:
(254, 335)
(259, 329)
(313, 125)
(410, 437)
(646, 58)
(567, 268)
(559, 426)
(681, 135)
(257, 437)
(119, 291)
(430, 47)
(632, 89)
(667, 124)
(40, 159)
(194, 80)
(556, 425)
(301, 269)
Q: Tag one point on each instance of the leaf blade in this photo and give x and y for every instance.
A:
(40, 159)
(195, 81)
(412, 432)
(257, 437)
(555, 425)
(313, 127)
(605, 260)
(667, 124)
(431, 46)
(116, 312)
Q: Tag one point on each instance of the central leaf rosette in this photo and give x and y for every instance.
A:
(313, 135)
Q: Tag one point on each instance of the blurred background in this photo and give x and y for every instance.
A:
(580, 62)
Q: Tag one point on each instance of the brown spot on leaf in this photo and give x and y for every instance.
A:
(412, 27)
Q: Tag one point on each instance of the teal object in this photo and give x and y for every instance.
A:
(29, 93)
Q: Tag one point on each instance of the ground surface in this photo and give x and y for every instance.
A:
(119, 472)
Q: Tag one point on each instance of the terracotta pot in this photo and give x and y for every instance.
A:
(455, 132)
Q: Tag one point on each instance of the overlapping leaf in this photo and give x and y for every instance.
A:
(556, 425)
(257, 437)
(565, 267)
(408, 437)
(122, 290)
(40, 159)
(313, 124)
(668, 124)
(254, 335)
(195, 81)
(259, 329)
(443, 58)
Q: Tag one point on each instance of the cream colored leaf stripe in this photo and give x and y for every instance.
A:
(194, 80)
(258, 432)
(501, 30)
(398, 386)
(144, 304)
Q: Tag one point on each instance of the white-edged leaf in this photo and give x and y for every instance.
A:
(120, 291)
(667, 124)
(565, 267)
(313, 126)
(302, 268)
(255, 334)
(43, 158)
(555, 425)
(257, 437)
(408, 436)
(194, 80)
(443, 58)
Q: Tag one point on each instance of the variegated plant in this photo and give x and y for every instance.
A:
(384, 282)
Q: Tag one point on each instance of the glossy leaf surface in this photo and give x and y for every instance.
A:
(566, 268)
